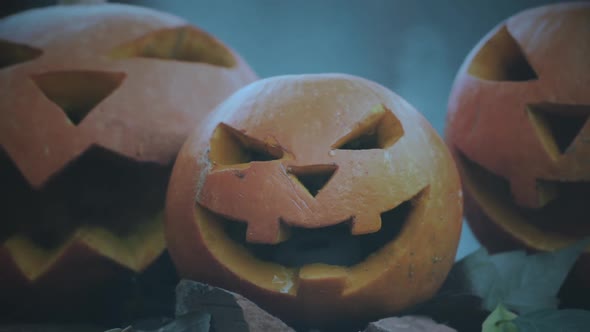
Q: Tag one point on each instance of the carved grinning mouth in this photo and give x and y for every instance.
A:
(564, 218)
(99, 189)
(331, 245)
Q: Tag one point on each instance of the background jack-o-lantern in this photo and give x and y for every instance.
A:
(518, 126)
(321, 197)
(95, 102)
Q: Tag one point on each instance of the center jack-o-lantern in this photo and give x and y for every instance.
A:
(323, 198)
(95, 103)
(518, 125)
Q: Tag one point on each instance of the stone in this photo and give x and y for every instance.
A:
(229, 311)
(407, 324)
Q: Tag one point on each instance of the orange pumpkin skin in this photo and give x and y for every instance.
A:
(518, 127)
(306, 124)
(114, 84)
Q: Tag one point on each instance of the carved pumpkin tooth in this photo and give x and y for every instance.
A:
(547, 191)
(268, 232)
(328, 280)
(365, 224)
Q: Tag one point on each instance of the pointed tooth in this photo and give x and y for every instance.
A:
(267, 232)
(366, 224)
(322, 279)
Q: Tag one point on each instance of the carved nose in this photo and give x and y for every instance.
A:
(313, 177)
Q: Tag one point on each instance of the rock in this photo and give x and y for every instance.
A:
(407, 324)
(229, 311)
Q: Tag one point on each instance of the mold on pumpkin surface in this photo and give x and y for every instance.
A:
(518, 127)
(317, 196)
(93, 111)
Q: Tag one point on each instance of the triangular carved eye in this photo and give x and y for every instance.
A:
(558, 125)
(77, 92)
(502, 59)
(381, 129)
(13, 53)
(181, 44)
(313, 177)
(230, 146)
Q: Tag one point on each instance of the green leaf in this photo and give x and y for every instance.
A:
(500, 320)
(522, 283)
(483, 278)
(571, 320)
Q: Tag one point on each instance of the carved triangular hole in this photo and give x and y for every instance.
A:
(230, 146)
(379, 130)
(181, 44)
(77, 92)
(313, 177)
(502, 59)
(557, 125)
(13, 53)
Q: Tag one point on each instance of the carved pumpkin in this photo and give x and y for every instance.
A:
(321, 197)
(518, 125)
(95, 102)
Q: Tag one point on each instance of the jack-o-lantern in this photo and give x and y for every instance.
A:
(322, 198)
(95, 102)
(518, 126)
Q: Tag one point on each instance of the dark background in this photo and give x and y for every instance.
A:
(412, 47)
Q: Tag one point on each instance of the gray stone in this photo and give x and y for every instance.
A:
(407, 324)
(229, 311)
